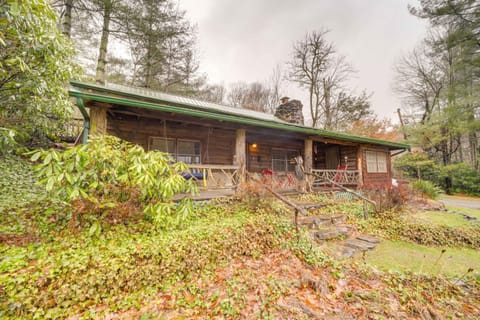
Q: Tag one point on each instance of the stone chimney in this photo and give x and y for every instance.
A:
(290, 111)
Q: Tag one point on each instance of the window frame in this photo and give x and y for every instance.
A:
(150, 140)
(199, 155)
(286, 160)
(376, 165)
(175, 154)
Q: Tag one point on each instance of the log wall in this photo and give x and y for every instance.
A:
(217, 145)
(376, 180)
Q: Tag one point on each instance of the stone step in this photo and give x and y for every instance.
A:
(342, 251)
(367, 238)
(322, 220)
(326, 234)
(308, 206)
(313, 222)
(359, 244)
(343, 229)
(338, 218)
(333, 231)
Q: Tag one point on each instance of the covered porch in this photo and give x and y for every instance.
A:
(224, 146)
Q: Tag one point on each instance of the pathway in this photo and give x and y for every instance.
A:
(335, 236)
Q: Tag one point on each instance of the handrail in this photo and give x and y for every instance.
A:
(356, 194)
(297, 209)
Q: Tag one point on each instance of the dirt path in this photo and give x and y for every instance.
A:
(461, 202)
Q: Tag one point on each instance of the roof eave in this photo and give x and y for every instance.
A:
(220, 116)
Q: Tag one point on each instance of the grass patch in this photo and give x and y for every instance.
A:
(439, 218)
(473, 212)
(406, 256)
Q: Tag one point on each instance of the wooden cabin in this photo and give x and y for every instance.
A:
(221, 144)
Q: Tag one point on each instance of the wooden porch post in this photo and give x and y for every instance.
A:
(308, 163)
(98, 121)
(360, 166)
(240, 154)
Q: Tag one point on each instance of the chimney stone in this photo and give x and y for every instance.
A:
(290, 111)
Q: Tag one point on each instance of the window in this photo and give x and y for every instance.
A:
(162, 144)
(376, 161)
(281, 160)
(187, 151)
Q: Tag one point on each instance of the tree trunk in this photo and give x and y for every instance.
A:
(328, 110)
(67, 19)
(473, 141)
(313, 108)
(102, 55)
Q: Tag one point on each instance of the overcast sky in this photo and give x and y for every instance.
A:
(244, 40)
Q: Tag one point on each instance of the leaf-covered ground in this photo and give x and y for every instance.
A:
(230, 260)
(279, 285)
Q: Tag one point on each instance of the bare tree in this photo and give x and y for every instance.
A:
(253, 96)
(317, 66)
(419, 80)
(212, 93)
(436, 83)
(274, 85)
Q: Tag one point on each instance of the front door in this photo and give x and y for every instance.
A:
(332, 157)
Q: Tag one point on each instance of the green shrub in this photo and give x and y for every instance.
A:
(109, 174)
(393, 226)
(426, 188)
(417, 165)
(17, 183)
(456, 178)
(465, 179)
(7, 141)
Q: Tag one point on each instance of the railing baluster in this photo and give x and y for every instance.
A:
(345, 176)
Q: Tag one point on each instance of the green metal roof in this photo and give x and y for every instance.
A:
(154, 100)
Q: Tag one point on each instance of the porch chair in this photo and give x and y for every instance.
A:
(340, 174)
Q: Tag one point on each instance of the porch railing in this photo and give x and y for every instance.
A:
(280, 181)
(214, 176)
(343, 177)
